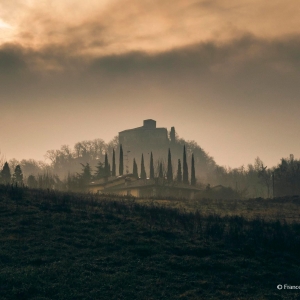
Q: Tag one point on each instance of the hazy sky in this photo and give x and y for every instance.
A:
(224, 73)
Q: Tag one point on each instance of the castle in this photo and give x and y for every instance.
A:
(145, 138)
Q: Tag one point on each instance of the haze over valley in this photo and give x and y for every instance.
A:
(226, 75)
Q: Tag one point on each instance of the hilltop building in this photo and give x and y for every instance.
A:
(144, 137)
(141, 142)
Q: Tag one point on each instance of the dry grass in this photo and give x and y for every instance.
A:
(57, 245)
(287, 209)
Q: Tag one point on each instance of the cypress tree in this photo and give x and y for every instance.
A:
(179, 173)
(185, 175)
(45, 180)
(161, 174)
(86, 175)
(121, 163)
(143, 171)
(172, 135)
(113, 172)
(32, 182)
(135, 169)
(5, 174)
(151, 167)
(40, 181)
(193, 174)
(18, 175)
(170, 169)
(68, 181)
(106, 166)
(100, 171)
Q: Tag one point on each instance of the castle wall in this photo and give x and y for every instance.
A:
(144, 140)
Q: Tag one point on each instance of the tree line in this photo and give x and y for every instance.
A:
(181, 176)
(66, 166)
(104, 169)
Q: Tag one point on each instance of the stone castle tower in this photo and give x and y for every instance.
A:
(144, 139)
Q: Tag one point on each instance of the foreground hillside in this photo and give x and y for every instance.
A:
(70, 246)
(285, 209)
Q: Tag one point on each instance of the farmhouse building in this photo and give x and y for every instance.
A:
(129, 185)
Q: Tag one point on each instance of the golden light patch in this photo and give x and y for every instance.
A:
(4, 25)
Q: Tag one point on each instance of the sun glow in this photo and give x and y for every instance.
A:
(4, 25)
(6, 32)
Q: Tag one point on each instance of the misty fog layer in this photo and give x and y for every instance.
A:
(224, 74)
(237, 99)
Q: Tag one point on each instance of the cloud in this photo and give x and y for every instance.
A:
(245, 67)
(12, 59)
(240, 55)
(121, 26)
(247, 54)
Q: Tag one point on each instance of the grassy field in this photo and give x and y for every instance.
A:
(58, 245)
(283, 209)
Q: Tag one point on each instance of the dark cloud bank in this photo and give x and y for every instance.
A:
(249, 66)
